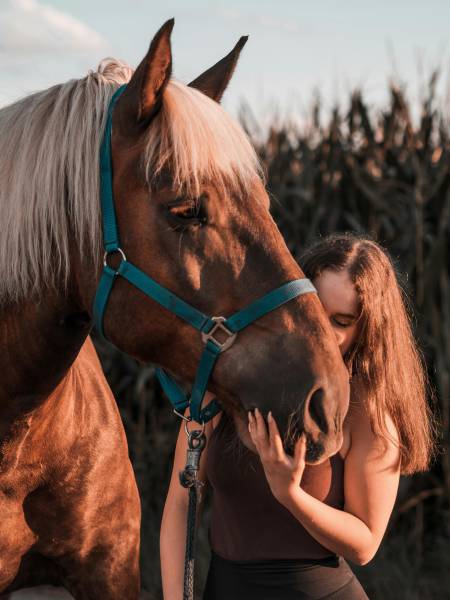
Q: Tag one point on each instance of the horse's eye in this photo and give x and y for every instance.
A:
(187, 211)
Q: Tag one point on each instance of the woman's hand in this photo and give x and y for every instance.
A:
(283, 472)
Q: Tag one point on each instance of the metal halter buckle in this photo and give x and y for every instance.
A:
(120, 251)
(219, 325)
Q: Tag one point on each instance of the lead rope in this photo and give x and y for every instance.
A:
(188, 479)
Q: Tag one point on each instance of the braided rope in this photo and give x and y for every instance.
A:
(188, 479)
(188, 591)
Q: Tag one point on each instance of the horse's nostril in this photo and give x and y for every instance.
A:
(317, 410)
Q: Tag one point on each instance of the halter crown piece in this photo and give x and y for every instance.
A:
(209, 327)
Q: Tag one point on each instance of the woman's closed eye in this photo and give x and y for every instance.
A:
(341, 321)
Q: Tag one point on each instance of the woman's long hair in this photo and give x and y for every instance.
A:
(385, 364)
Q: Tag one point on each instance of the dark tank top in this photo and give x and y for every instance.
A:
(247, 522)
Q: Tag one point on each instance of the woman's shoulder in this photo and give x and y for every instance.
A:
(359, 429)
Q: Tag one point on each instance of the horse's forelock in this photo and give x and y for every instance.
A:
(197, 141)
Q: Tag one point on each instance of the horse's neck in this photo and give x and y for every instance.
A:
(39, 342)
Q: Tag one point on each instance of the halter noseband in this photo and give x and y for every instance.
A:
(209, 327)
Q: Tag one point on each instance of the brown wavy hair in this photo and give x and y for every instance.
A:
(386, 367)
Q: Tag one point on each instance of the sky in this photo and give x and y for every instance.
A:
(296, 48)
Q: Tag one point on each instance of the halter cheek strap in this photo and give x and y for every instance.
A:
(209, 327)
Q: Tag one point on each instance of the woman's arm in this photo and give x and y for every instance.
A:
(371, 478)
(173, 525)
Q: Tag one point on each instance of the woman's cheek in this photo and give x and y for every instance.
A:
(341, 339)
(349, 338)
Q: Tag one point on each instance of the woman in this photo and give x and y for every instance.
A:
(281, 529)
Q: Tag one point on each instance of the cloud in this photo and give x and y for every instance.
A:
(31, 26)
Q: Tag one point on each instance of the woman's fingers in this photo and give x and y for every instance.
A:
(250, 423)
(252, 429)
(258, 431)
(275, 438)
(300, 451)
(282, 471)
(261, 429)
(266, 439)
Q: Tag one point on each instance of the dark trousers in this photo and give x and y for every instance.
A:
(322, 579)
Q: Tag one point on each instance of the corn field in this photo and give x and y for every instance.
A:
(378, 173)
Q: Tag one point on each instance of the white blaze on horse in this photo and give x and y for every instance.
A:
(193, 215)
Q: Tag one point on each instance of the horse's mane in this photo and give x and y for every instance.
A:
(49, 168)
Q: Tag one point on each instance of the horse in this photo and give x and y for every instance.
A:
(193, 212)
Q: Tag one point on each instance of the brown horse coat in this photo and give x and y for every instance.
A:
(68, 497)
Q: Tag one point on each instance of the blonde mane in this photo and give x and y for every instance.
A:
(49, 169)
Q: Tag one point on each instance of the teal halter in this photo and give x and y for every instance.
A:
(209, 327)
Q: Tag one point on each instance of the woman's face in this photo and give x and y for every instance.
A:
(340, 301)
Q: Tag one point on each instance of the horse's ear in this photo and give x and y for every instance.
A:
(214, 81)
(143, 94)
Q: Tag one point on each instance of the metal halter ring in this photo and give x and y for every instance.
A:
(187, 430)
(219, 325)
(181, 415)
(107, 253)
(186, 421)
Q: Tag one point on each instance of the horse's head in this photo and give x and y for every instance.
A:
(193, 214)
